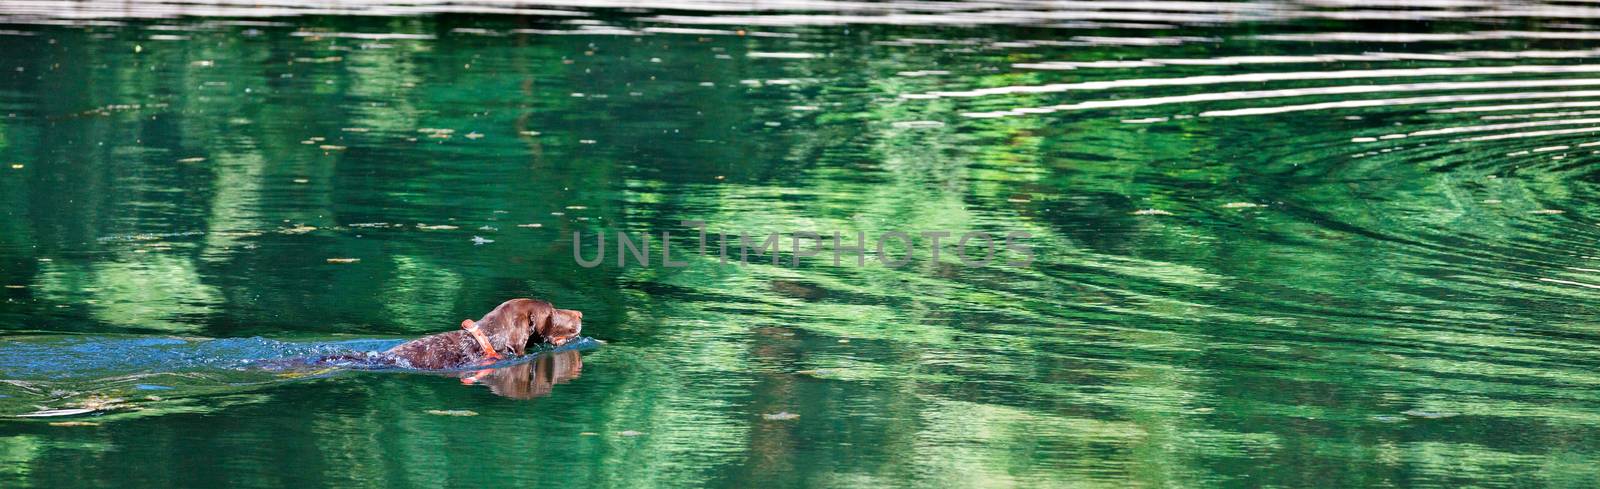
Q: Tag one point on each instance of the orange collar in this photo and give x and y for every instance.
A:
(483, 341)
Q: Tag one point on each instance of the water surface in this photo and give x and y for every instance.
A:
(1289, 244)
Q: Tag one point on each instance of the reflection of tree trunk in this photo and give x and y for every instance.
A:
(535, 148)
(772, 444)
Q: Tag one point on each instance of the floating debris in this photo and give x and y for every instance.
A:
(331, 147)
(487, 227)
(302, 180)
(196, 159)
(436, 227)
(301, 229)
(530, 225)
(51, 413)
(474, 135)
(1151, 212)
(780, 416)
(1422, 413)
(451, 412)
(586, 141)
(479, 240)
(588, 433)
(439, 133)
(1241, 205)
(344, 260)
(16, 166)
(74, 423)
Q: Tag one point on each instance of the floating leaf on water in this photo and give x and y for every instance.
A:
(344, 260)
(436, 227)
(451, 412)
(74, 423)
(51, 413)
(100, 403)
(1423, 413)
(780, 416)
(629, 433)
(1151, 212)
(196, 159)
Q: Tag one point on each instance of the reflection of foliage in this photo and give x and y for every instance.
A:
(155, 291)
(1207, 345)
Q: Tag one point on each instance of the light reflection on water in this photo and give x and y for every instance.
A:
(1279, 243)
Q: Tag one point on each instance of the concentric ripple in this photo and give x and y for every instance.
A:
(1319, 243)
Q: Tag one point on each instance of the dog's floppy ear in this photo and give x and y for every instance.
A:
(538, 323)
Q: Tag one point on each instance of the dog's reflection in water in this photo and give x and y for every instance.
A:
(530, 379)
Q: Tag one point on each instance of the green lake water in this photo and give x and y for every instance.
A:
(1272, 244)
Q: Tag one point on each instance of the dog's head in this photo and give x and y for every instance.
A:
(519, 322)
(513, 323)
(562, 325)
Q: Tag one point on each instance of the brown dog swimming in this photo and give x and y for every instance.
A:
(507, 330)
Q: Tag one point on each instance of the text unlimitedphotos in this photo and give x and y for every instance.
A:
(890, 249)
